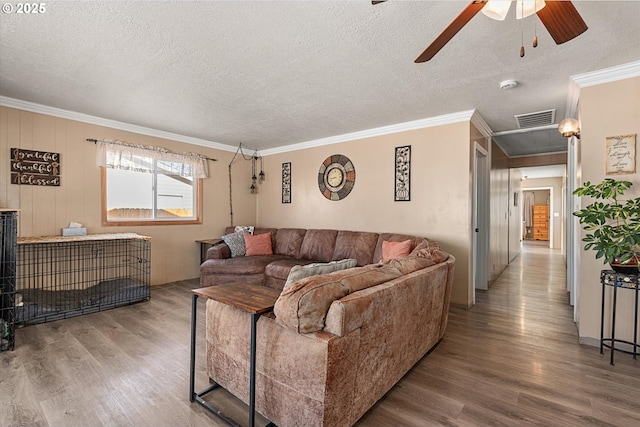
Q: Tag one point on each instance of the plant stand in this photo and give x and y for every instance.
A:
(624, 281)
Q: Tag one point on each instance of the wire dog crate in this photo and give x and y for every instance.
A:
(8, 253)
(60, 277)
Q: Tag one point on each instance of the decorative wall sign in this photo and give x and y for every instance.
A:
(620, 156)
(30, 167)
(286, 182)
(336, 177)
(403, 174)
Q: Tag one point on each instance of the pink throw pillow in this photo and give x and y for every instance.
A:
(391, 250)
(259, 244)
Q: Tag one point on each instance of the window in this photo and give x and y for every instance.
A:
(148, 187)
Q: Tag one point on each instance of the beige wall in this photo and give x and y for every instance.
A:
(556, 184)
(605, 110)
(440, 195)
(45, 210)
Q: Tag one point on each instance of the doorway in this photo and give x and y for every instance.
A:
(537, 208)
(480, 220)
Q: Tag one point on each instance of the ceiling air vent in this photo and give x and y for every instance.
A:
(540, 118)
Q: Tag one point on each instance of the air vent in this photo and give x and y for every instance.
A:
(531, 120)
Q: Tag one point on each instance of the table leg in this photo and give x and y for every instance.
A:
(602, 321)
(192, 367)
(635, 325)
(252, 372)
(613, 322)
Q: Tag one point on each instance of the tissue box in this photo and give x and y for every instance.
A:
(76, 231)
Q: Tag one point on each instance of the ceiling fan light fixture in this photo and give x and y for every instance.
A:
(526, 8)
(497, 9)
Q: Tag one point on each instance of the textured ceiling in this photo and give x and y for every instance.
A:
(269, 74)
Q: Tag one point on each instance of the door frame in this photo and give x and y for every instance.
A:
(480, 221)
(550, 210)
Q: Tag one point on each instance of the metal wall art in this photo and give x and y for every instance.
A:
(286, 182)
(403, 174)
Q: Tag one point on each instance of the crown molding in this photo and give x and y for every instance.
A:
(607, 75)
(445, 119)
(114, 124)
(480, 124)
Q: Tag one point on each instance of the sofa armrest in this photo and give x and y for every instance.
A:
(219, 251)
(425, 289)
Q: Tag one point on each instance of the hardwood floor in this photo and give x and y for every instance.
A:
(514, 359)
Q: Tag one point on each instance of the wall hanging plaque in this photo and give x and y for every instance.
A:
(620, 156)
(403, 174)
(286, 182)
(29, 167)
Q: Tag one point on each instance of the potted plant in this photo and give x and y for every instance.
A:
(613, 225)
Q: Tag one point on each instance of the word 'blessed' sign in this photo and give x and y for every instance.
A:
(30, 167)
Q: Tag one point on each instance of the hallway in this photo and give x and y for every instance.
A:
(514, 359)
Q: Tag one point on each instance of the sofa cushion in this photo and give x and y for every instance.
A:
(299, 272)
(319, 245)
(280, 268)
(392, 250)
(303, 305)
(409, 264)
(289, 241)
(425, 244)
(236, 244)
(239, 265)
(246, 228)
(355, 244)
(393, 237)
(259, 244)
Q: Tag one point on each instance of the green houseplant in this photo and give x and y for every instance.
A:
(613, 225)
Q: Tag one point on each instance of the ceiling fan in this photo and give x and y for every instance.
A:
(559, 17)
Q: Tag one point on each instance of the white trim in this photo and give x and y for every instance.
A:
(538, 155)
(114, 124)
(573, 97)
(608, 75)
(551, 210)
(526, 130)
(444, 119)
(480, 124)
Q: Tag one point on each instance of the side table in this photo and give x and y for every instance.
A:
(624, 281)
(255, 300)
(205, 244)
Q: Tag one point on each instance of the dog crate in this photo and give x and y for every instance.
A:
(8, 254)
(65, 276)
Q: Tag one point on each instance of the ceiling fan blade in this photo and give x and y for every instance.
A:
(377, 1)
(461, 20)
(562, 20)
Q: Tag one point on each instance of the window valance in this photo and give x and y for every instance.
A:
(143, 158)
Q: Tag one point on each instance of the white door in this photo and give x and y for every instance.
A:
(480, 220)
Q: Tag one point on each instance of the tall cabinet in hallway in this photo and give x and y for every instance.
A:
(541, 222)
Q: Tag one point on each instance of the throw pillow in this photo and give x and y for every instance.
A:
(391, 250)
(246, 228)
(299, 272)
(259, 244)
(235, 241)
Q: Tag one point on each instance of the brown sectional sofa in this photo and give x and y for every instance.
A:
(335, 343)
(295, 246)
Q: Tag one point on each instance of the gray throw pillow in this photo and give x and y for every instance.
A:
(235, 241)
(299, 272)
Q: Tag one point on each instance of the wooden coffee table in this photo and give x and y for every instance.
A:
(255, 300)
